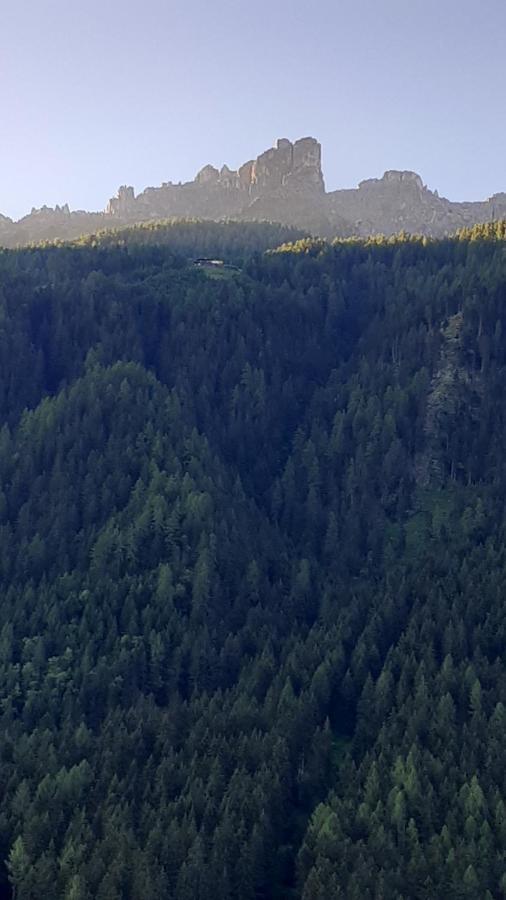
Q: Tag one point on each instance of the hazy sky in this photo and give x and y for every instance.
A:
(104, 92)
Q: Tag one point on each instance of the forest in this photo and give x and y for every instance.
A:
(253, 566)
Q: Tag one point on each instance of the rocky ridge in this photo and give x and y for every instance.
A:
(283, 184)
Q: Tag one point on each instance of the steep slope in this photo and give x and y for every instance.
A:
(252, 568)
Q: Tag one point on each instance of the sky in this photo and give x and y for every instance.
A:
(106, 92)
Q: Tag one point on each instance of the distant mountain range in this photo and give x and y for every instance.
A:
(284, 184)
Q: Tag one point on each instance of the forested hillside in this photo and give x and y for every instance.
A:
(253, 567)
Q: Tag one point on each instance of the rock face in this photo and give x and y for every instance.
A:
(123, 204)
(207, 175)
(287, 165)
(283, 171)
(283, 184)
(284, 165)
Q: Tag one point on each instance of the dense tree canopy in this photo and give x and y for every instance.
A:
(253, 567)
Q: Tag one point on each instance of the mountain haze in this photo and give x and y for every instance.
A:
(284, 184)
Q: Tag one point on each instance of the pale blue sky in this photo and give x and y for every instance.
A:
(104, 92)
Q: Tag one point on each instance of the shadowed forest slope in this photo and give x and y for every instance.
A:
(253, 567)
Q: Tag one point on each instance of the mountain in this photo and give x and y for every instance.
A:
(252, 567)
(284, 184)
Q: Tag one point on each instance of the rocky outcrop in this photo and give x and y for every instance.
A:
(123, 204)
(6, 230)
(284, 165)
(284, 184)
(399, 201)
(47, 224)
(207, 175)
(291, 166)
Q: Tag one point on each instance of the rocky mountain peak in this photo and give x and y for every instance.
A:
(286, 165)
(405, 178)
(207, 175)
(393, 178)
(123, 203)
(284, 184)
